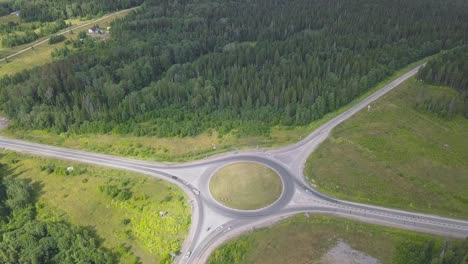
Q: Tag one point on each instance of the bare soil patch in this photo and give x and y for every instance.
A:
(3, 122)
(342, 253)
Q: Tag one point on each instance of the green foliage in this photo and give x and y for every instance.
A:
(396, 155)
(23, 239)
(38, 242)
(232, 252)
(131, 228)
(15, 202)
(51, 167)
(15, 34)
(172, 73)
(60, 53)
(429, 251)
(52, 27)
(5, 7)
(82, 35)
(13, 39)
(450, 69)
(56, 39)
(43, 10)
(301, 239)
(116, 192)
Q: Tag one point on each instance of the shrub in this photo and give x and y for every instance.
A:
(56, 39)
(115, 192)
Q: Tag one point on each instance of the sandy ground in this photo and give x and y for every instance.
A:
(3, 122)
(342, 253)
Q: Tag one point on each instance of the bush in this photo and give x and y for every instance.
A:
(115, 192)
(60, 53)
(56, 39)
(49, 168)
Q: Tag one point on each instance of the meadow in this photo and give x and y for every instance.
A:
(311, 239)
(397, 155)
(123, 208)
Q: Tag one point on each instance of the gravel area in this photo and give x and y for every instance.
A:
(3, 122)
(342, 253)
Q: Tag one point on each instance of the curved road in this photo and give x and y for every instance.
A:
(212, 223)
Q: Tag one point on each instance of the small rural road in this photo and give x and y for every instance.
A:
(65, 32)
(212, 223)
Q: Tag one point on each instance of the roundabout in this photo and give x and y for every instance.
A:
(246, 186)
(225, 203)
(229, 170)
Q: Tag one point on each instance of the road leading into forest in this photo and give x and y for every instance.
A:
(213, 223)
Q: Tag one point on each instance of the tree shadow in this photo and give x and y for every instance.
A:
(15, 172)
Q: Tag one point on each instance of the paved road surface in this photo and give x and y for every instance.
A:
(212, 223)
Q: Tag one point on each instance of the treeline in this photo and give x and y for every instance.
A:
(178, 68)
(12, 40)
(44, 28)
(51, 10)
(428, 251)
(450, 69)
(5, 8)
(24, 239)
(15, 34)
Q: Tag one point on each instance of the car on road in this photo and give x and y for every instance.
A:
(196, 191)
(187, 255)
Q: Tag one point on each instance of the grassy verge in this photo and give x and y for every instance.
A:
(40, 54)
(122, 207)
(304, 239)
(246, 186)
(396, 155)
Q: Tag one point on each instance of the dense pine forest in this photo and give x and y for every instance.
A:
(52, 10)
(178, 68)
(25, 239)
(450, 69)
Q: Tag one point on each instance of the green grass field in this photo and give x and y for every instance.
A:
(397, 156)
(122, 207)
(246, 186)
(301, 240)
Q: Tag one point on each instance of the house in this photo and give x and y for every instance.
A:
(95, 30)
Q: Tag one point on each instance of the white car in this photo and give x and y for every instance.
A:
(187, 255)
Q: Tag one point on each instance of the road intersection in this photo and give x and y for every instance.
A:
(213, 223)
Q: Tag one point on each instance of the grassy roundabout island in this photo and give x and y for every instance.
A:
(246, 186)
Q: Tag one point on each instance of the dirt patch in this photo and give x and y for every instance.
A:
(3, 122)
(342, 253)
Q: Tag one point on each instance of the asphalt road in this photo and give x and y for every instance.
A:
(212, 223)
